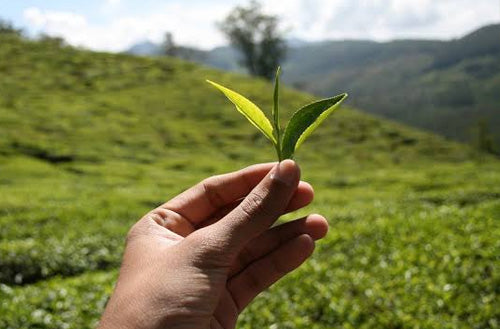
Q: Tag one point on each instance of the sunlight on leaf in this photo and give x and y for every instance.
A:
(305, 121)
(251, 111)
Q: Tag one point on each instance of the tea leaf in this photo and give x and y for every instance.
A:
(305, 121)
(276, 113)
(251, 111)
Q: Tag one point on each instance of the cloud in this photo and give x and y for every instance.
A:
(385, 19)
(193, 22)
(190, 26)
(53, 21)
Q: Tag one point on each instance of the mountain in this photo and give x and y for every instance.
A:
(449, 87)
(483, 42)
(225, 58)
(90, 142)
(145, 48)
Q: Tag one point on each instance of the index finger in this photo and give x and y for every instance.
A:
(205, 198)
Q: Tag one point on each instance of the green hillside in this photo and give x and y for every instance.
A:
(451, 87)
(89, 142)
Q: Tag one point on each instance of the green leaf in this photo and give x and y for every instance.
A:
(276, 113)
(251, 111)
(305, 121)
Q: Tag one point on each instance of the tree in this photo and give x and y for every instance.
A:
(483, 139)
(169, 46)
(7, 28)
(56, 42)
(258, 38)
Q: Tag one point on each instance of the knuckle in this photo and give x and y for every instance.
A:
(256, 205)
(211, 190)
(143, 226)
(171, 220)
(158, 216)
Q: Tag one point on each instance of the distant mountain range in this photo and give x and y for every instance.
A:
(225, 57)
(449, 87)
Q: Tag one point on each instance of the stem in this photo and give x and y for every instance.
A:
(278, 144)
(276, 113)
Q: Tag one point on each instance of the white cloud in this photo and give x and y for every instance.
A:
(190, 26)
(385, 19)
(192, 23)
(53, 21)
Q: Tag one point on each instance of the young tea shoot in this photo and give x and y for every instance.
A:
(303, 122)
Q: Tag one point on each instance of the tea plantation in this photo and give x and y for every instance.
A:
(89, 142)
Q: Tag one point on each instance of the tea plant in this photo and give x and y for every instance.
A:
(414, 222)
(303, 122)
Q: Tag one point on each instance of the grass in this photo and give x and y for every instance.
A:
(89, 142)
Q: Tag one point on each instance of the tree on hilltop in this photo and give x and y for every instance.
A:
(257, 36)
(169, 46)
(6, 27)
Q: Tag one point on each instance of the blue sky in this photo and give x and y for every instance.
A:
(114, 25)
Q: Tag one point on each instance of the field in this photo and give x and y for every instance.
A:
(89, 142)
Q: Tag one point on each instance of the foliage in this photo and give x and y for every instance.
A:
(169, 46)
(6, 27)
(301, 125)
(482, 42)
(89, 142)
(257, 36)
(483, 140)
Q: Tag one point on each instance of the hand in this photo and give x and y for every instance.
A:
(199, 259)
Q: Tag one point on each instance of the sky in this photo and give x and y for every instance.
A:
(115, 25)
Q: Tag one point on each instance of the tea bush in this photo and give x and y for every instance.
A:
(89, 142)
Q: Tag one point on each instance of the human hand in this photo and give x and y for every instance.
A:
(199, 259)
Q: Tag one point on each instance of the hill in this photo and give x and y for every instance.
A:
(89, 142)
(448, 87)
(445, 87)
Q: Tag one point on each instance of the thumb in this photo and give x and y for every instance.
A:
(262, 206)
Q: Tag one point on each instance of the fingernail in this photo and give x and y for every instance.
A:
(285, 172)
